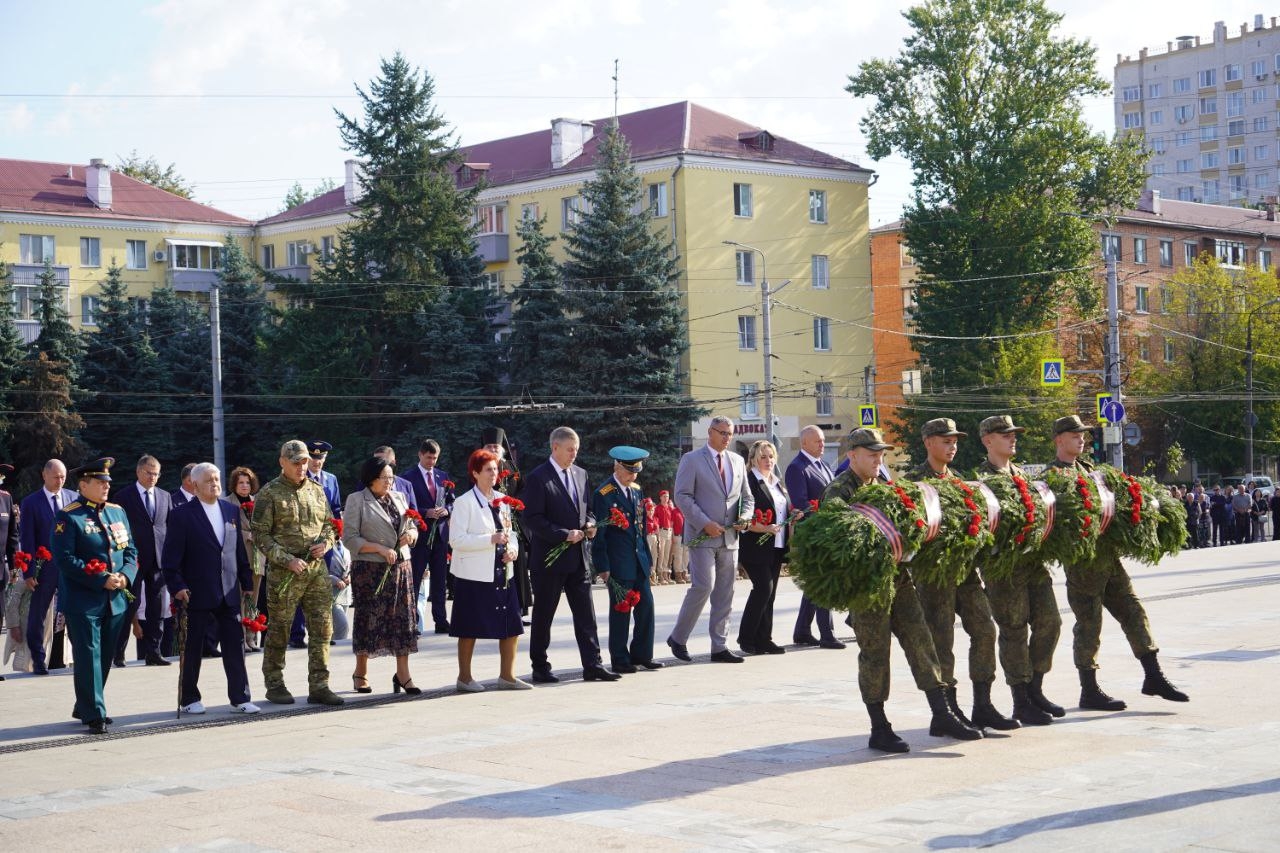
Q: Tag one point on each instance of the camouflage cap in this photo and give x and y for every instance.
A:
(871, 439)
(998, 423)
(940, 426)
(1071, 423)
(294, 451)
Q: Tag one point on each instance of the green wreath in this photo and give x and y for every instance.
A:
(1023, 516)
(1074, 538)
(947, 558)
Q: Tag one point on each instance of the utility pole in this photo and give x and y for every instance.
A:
(766, 312)
(215, 338)
(1115, 451)
(1250, 419)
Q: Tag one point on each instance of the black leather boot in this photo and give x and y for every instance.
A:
(883, 737)
(1091, 696)
(1155, 684)
(985, 714)
(1026, 711)
(945, 723)
(954, 704)
(1037, 697)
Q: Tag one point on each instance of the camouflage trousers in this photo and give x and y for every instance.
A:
(1105, 584)
(905, 620)
(1026, 612)
(285, 591)
(941, 605)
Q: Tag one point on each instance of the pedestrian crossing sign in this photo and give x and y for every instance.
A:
(1052, 372)
(867, 416)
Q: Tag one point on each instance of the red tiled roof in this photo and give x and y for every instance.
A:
(59, 188)
(679, 128)
(333, 201)
(1215, 217)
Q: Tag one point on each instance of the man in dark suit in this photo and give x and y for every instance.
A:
(37, 512)
(184, 494)
(433, 490)
(555, 497)
(807, 477)
(187, 491)
(148, 510)
(206, 568)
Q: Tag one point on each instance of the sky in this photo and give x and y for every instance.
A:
(240, 96)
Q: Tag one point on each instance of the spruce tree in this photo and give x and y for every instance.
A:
(12, 350)
(245, 319)
(628, 331)
(180, 333)
(48, 426)
(57, 339)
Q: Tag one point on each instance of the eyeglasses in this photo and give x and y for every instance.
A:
(390, 479)
(727, 433)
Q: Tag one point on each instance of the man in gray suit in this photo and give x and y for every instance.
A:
(711, 491)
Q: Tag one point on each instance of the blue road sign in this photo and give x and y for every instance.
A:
(867, 416)
(1052, 371)
(1113, 411)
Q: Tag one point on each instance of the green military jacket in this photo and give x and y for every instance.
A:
(1081, 464)
(83, 532)
(845, 486)
(985, 468)
(288, 519)
(924, 471)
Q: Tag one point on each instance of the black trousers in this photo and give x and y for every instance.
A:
(145, 589)
(547, 587)
(763, 568)
(224, 622)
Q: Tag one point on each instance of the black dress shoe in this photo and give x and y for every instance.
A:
(624, 668)
(650, 664)
(118, 662)
(76, 716)
(832, 644)
(98, 727)
(750, 649)
(156, 660)
(805, 641)
(39, 670)
(543, 676)
(678, 649)
(773, 649)
(442, 627)
(599, 673)
(725, 656)
(208, 653)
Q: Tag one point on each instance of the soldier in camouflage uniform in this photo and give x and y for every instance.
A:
(1104, 583)
(1023, 601)
(293, 528)
(941, 602)
(873, 626)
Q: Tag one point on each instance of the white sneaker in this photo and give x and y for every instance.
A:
(514, 684)
(196, 707)
(470, 686)
(245, 708)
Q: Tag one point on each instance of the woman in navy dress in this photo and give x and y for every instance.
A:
(485, 603)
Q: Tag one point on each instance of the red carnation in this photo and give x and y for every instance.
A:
(919, 523)
(337, 527)
(449, 484)
(1020, 539)
(813, 506)
(95, 567)
(417, 518)
(247, 506)
(42, 554)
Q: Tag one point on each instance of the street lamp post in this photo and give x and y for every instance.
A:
(1250, 418)
(766, 306)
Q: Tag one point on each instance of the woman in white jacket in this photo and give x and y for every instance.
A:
(485, 604)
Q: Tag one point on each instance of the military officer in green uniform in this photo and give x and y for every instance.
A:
(293, 528)
(941, 602)
(903, 618)
(97, 561)
(1104, 583)
(1023, 604)
(621, 556)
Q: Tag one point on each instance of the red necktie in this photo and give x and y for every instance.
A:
(431, 484)
(720, 468)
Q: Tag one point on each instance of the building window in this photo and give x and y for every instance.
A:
(1209, 133)
(1209, 160)
(909, 305)
(1166, 253)
(1190, 251)
(89, 310)
(268, 257)
(491, 281)
(1183, 166)
(528, 212)
(1262, 180)
(135, 252)
(1264, 260)
(1131, 93)
(326, 249)
(1261, 153)
(1232, 72)
(746, 267)
(1169, 353)
(818, 206)
(1235, 127)
(296, 253)
(570, 212)
(825, 399)
(1235, 185)
(90, 252)
(35, 248)
(1082, 346)
(1166, 299)
(820, 272)
(658, 199)
(1157, 144)
(1209, 191)
(1235, 104)
(1184, 113)
(742, 200)
(1155, 90)
(1155, 117)
(1140, 299)
(1230, 253)
(821, 334)
(1208, 77)
(1139, 250)
(210, 257)
(1183, 138)
(1235, 156)
(1144, 348)
(1260, 124)
(1258, 95)
(1132, 120)
(749, 408)
(746, 332)
(1186, 194)
(1111, 247)
(1181, 85)
(1208, 106)
(140, 307)
(491, 219)
(1258, 68)
(912, 382)
(1157, 170)
(904, 256)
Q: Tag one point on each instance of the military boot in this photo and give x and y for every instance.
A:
(883, 738)
(1035, 693)
(324, 696)
(985, 714)
(945, 723)
(954, 704)
(1091, 696)
(1026, 711)
(279, 695)
(1155, 684)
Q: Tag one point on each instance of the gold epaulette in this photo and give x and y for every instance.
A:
(72, 505)
(606, 489)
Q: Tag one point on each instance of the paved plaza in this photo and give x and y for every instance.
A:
(766, 755)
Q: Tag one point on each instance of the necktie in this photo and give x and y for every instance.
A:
(151, 506)
(568, 487)
(55, 501)
(720, 468)
(431, 485)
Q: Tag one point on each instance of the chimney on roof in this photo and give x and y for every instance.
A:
(1257, 22)
(97, 183)
(1270, 207)
(1219, 32)
(568, 137)
(351, 189)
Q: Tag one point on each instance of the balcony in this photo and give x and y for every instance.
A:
(298, 272)
(493, 248)
(190, 281)
(29, 274)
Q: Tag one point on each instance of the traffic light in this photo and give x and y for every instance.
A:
(1099, 447)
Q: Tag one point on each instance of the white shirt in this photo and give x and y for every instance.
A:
(214, 512)
(187, 494)
(779, 500)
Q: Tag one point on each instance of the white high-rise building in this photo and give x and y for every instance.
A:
(1209, 111)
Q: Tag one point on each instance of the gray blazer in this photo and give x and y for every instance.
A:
(702, 497)
(364, 520)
